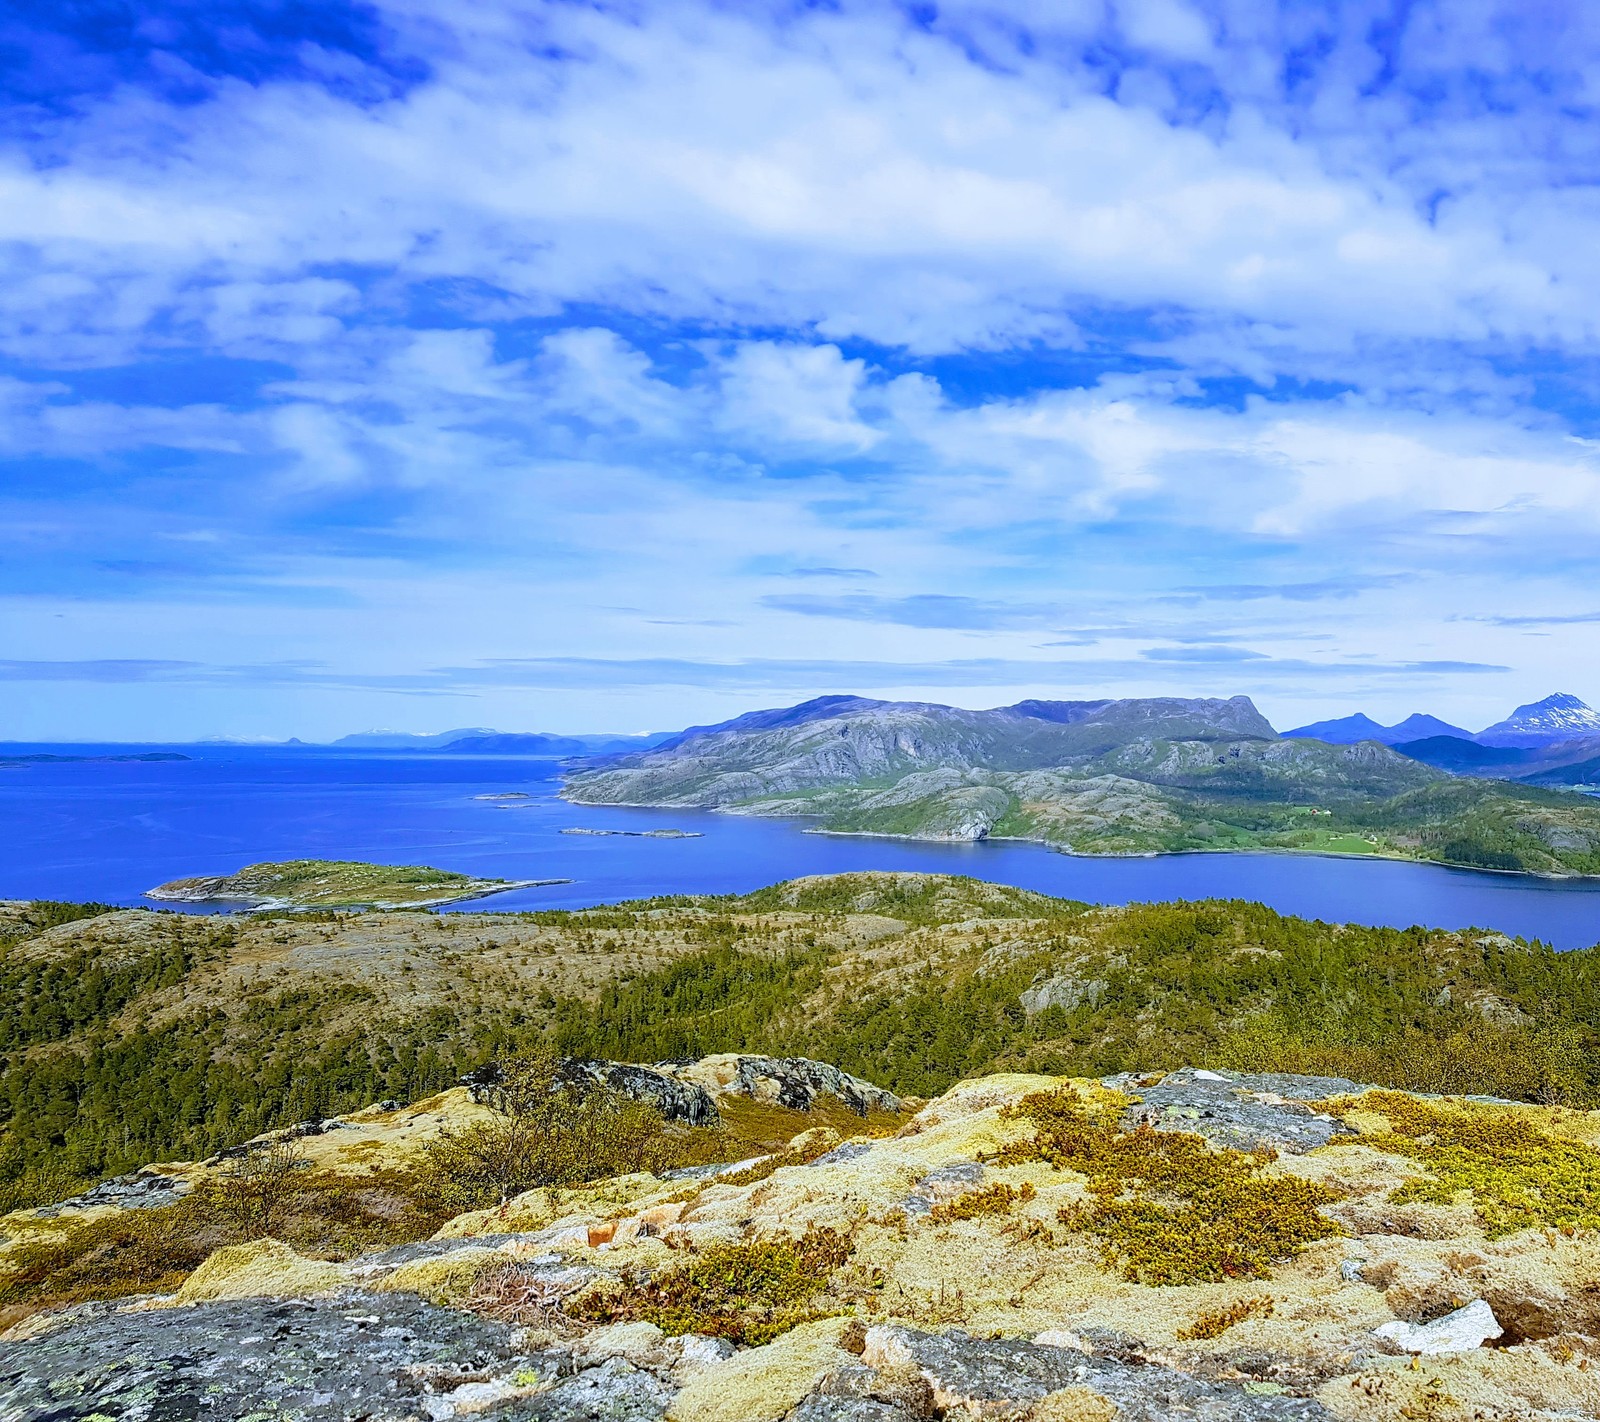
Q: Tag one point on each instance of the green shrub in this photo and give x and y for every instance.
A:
(1167, 1208)
(547, 1130)
(748, 1292)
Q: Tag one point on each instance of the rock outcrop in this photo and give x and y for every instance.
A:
(960, 1268)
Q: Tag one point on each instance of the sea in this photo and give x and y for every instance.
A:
(108, 830)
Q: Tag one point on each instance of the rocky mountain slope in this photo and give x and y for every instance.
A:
(1097, 778)
(1199, 1244)
(1560, 717)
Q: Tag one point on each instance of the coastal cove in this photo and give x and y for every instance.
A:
(110, 830)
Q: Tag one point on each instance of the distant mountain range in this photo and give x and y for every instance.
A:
(1105, 777)
(482, 740)
(1561, 717)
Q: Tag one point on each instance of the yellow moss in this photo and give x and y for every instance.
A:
(1519, 1176)
(1074, 1404)
(263, 1268)
(997, 1199)
(764, 1383)
(444, 1279)
(750, 1291)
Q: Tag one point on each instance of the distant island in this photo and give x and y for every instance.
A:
(336, 883)
(43, 759)
(1121, 777)
(642, 834)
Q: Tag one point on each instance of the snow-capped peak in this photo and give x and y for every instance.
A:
(1557, 717)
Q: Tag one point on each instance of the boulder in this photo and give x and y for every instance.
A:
(1459, 1332)
(1237, 1109)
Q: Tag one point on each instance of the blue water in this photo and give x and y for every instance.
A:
(109, 831)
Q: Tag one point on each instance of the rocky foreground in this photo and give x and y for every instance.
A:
(1200, 1245)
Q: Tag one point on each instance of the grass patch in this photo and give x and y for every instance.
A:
(1519, 1177)
(749, 1292)
(1167, 1208)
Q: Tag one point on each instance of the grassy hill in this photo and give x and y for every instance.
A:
(130, 1035)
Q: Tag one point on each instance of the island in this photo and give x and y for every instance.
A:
(642, 834)
(336, 883)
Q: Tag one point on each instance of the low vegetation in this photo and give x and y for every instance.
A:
(748, 1292)
(545, 1131)
(1516, 1175)
(1166, 1207)
(133, 1036)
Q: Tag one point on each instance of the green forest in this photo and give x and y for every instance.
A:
(91, 1084)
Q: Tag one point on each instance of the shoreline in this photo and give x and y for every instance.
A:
(1541, 875)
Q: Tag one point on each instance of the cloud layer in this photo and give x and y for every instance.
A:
(866, 346)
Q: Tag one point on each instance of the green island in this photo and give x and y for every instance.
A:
(336, 883)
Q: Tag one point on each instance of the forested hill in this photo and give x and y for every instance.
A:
(129, 1035)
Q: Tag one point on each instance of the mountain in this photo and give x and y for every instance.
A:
(1133, 776)
(1360, 727)
(537, 743)
(1561, 717)
(408, 740)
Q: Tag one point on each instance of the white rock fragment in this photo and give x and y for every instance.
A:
(1211, 1076)
(1458, 1332)
(1062, 1338)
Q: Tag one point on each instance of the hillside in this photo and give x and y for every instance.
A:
(129, 1035)
(1114, 777)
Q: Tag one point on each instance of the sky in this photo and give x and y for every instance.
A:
(611, 367)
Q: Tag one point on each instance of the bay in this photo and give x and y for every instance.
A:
(109, 830)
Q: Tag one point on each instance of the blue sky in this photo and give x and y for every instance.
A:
(614, 367)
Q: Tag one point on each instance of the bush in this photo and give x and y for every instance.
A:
(749, 1292)
(1168, 1209)
(547, 1130)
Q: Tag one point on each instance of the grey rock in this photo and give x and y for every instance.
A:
(1239, 1110)
(862, 1394)
(850, 1150)
(675, 1100)
(999, 1375)
(941, 1184)
(616, 1391)
(142, 1190)
(382, 1357)
(1060, 991)
(797, 1082)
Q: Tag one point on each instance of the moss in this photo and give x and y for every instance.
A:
(1166, 1207)
(1519, 1176)
(1213, 1325)
(996, 1199)
(750, 1292)
(262, 1268)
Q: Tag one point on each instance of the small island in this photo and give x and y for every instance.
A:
(336, 883)
(642, 834)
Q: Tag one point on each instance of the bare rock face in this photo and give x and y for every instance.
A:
(1238, 1109)
(1004, 1376)
(795, 1082)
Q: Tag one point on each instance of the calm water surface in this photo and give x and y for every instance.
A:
(109, 831)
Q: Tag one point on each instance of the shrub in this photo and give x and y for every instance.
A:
(547, 1130)
(1167, 1208)
(1520, 1177)
(260, 1188)
(748, 1292)
(996, 1199)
